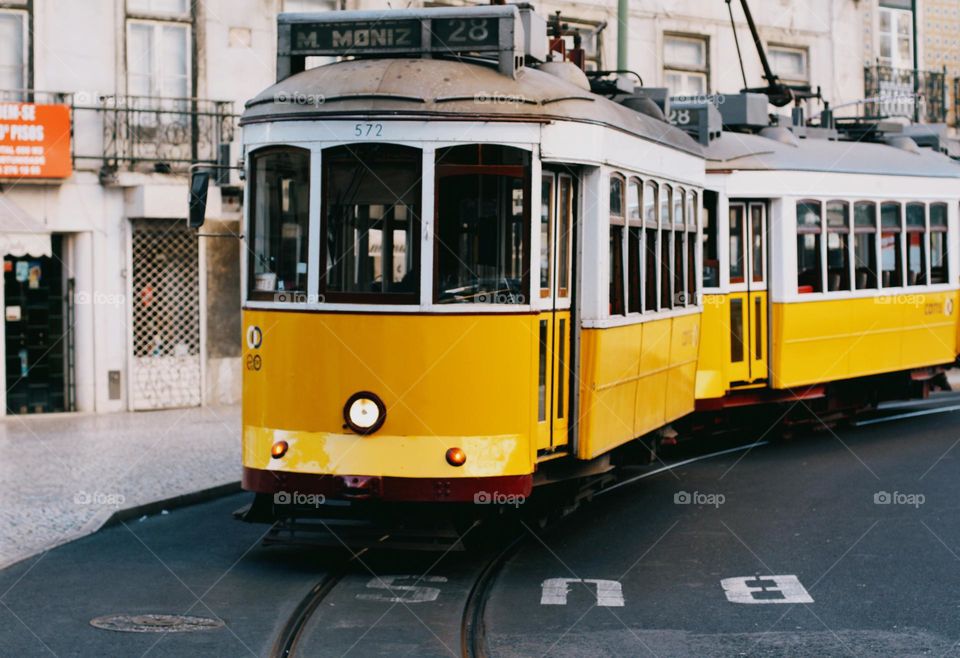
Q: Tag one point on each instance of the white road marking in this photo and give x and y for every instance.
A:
(411, 593)
(555, 591)
(682, 463)
(912, 414)
(787, 587)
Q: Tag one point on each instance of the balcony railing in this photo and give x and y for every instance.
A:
(920, 96)
(139, 133)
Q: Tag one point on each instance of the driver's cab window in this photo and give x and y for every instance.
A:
(482, 225)
(279, 223)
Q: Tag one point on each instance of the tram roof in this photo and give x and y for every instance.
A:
(743, 151)
(449, 89)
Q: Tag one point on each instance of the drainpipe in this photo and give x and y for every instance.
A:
(916, 65)
(623, 35)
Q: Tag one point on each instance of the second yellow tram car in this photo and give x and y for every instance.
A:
(830, 276)
(437, 306)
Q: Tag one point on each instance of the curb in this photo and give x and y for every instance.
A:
(172, 503)
(121, 516)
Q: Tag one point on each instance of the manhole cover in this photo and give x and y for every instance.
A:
(155, 623)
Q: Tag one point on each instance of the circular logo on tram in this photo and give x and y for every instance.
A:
(948, 306)
(254, 337)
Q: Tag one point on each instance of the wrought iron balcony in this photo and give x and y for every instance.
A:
(167, 134)
(920, 96)
(139, 133)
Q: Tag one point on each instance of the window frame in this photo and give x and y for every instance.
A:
(899, 259)
(156, 25)
(405, 299)
(686, 70)
(817, 230)
(911, 229)
(635, 237)
(804, 52)
(873, 230)
(617, 273)
(943, 229)
(522, 172)
(845, 231)
(651, 229)
(252, 294)
(25, 15)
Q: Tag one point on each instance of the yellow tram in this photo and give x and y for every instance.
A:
(466, 274)
(830, 276)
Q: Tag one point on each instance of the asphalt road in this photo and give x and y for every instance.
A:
(843, 543)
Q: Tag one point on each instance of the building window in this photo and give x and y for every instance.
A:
(938, 243)
(616, 245)
(279, 223)
(891, 251)
(371, 212)
(13, 54)
(809, 228)
(158, 59)
(895, 38)
(482, 224)
(309, 5)
(685, 66)
(865, 245)
(790, 64)
(179, 8)
(838, 255)
(916, 244)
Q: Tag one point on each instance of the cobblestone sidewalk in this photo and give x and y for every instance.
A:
(63, 476)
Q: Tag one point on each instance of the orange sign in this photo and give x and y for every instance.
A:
(34, 141)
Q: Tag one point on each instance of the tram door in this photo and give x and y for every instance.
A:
(748, 292)
(555, 328)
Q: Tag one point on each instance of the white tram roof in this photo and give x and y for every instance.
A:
(449, 89)
(744, 151)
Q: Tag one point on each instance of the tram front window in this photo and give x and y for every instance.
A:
(372, 223)
(279, 223)
(482, 232)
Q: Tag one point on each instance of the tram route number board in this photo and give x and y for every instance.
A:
(365, 37)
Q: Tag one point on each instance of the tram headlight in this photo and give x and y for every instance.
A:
(364, 412)
(279, 449)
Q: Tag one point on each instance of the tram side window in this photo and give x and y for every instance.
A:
(891, 252)
(938, 243)
(693, 210)
(279, 223)
(809, 274)
(679, 235)
(650, 246)
(482, 243)
(372, 223)
(635, 247)
(711, 258)
(738, 229)
(666, 235)
(616, 246)
(865, 245)
(916, 244)
(838, 255)
(546, 234)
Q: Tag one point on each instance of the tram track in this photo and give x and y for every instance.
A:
(473, 628)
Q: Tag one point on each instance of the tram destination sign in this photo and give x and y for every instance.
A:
(391, 36)
(495, 31)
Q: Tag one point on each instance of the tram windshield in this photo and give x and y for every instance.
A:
(482, 232)
(371, 223)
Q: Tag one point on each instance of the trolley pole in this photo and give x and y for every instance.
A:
(623, 35)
